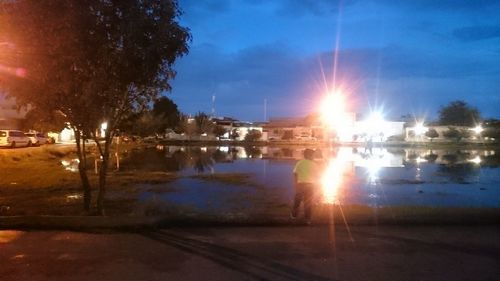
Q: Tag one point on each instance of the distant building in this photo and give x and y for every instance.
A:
(293, 128)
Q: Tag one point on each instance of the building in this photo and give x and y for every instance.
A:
(293, 128)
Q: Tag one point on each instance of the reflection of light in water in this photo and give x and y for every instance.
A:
(74, 196)
(373, 168)
(204, 149)
(71, 165)
(475, 160)
(224, 148)
(420, 160)
(332, 178)
(241, 153)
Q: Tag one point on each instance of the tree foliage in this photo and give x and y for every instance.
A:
(456, 134)
(93, 61)
(432, 133)
(166, 111)
(253, 135)
(204, 124)
(459, 113)
(41, 121)
(219, 131)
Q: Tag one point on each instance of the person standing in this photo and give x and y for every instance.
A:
(305, 174)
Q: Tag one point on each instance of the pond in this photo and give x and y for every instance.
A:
(255, 179)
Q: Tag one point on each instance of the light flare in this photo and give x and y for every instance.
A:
(420, 129)
(475, 160)
(335, 115)
(478, 129)
(15, 71)
(333, 178)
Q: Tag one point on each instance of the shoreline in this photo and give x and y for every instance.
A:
(354, 216)
(326, 144)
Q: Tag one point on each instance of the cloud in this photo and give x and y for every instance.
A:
(293, 82)
(241, 80)
(476, 33)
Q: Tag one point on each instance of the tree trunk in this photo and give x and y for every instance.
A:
(102, 175)
(82, 169)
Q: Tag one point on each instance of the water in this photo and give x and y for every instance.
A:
(378, 177)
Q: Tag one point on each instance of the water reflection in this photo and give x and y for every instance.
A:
(179, 158)
(376, 177)
(332, 179)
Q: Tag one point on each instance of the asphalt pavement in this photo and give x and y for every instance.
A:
(255, 253)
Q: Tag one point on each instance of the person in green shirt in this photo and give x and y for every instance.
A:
(305, 175)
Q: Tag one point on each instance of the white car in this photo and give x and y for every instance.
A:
(14, 138)
(37, 138)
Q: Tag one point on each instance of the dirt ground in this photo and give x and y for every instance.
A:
(255, 253)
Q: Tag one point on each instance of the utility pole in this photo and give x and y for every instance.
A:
(213, 105)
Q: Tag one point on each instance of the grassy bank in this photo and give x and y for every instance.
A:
(44, 181)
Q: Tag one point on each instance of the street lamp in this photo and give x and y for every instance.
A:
(478, 129)
(420, 129)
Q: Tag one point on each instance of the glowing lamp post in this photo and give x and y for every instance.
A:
(478, 129)
(420, 129)
(104, 127)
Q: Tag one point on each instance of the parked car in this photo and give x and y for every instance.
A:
(37, 138)
(14, 138)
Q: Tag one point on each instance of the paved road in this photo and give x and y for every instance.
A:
(255, 253)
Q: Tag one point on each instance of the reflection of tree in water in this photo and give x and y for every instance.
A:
(492, 161)
(221, 156)
(431, 157)
(454, 158)
(253, 151)
(180, 160)
(287, 152)
(459, 173)
(457, 167)
(200, 160)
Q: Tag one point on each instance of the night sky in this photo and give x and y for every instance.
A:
(402, 57)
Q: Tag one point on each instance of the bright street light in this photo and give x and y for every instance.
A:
(478, 129)
(420, 129)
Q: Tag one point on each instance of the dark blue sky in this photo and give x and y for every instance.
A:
(407, 57)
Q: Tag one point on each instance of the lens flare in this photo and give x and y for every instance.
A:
(15, 71)
(333, 177)
(335, 115)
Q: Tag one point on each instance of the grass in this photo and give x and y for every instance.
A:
(34, 181)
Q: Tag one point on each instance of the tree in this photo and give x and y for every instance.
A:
(234, 134)
(41, 121)
(94, 61)
(253, 135)
(432, 134)
(459, 113)
(203, 123)
(219, 131)
(454, 133)
(165, 110)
